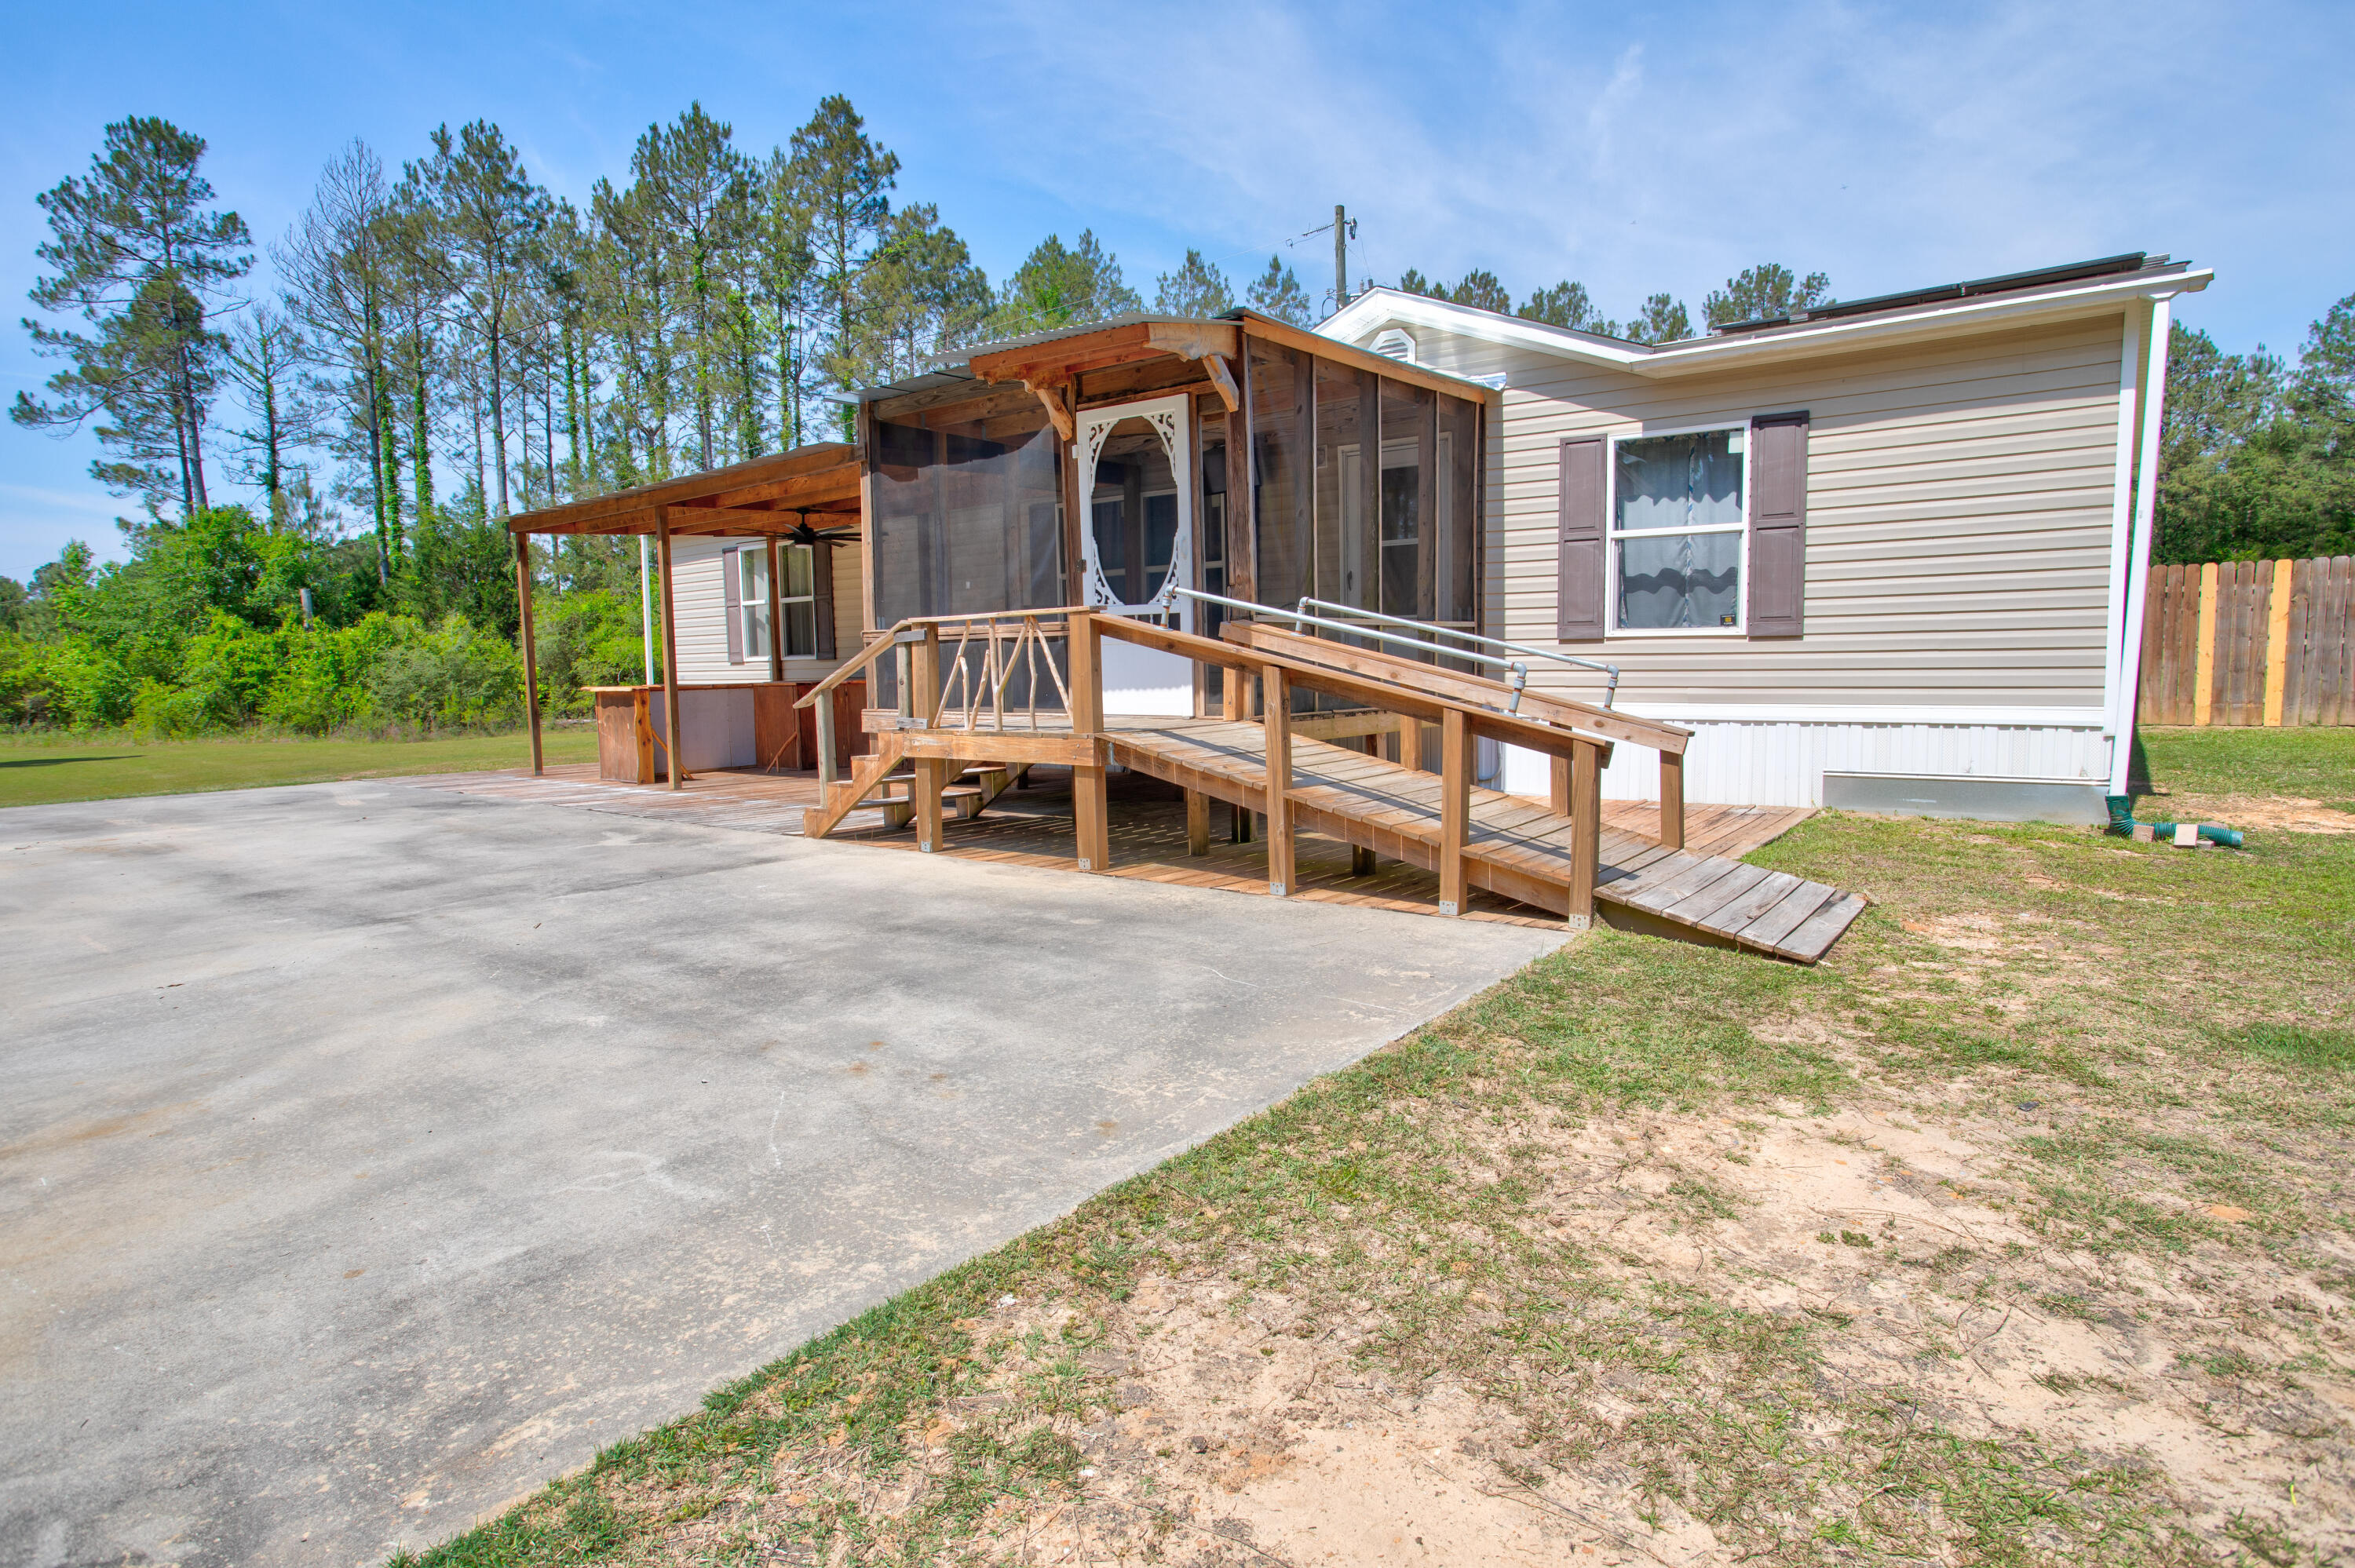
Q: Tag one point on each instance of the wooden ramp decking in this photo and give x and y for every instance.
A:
(1341, 797)
(1515, 847)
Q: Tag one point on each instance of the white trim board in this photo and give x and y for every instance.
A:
(1975, 718)
(1381, 307)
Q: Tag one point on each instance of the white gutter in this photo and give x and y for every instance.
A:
(1381, 307)
(2154, 408)
(2132, 330)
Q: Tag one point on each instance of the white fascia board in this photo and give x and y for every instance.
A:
(1369, 312)
(1862, 714)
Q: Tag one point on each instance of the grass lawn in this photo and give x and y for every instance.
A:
(2017, 1232)
(2215, 763)
(38, 769)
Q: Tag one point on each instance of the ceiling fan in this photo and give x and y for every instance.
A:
(802, 533)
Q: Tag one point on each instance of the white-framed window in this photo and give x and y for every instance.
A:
(797, 602)
(1679, 532)
(752, 606)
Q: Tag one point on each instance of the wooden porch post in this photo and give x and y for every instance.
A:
(776, 617)
(1455, 806)
(1275, 720)
(672, 768)
(1585, 833)
(1197, 822)
(1558, 798)
(1672, 801)
(530, 661)
(931, 772)
(1091, 808)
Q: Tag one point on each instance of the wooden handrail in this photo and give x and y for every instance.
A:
(1372, 691)
(842, 673)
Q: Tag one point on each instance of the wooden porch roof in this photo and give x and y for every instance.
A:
(817, 484)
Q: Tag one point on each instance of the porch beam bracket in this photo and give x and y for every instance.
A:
(1051, 395)
(1223, 379)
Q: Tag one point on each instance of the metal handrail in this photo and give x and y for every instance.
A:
(1517, 673)
(1610, 690)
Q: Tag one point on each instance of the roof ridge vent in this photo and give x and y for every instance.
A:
(1393, 342)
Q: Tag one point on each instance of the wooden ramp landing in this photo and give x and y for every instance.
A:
(1517, 848)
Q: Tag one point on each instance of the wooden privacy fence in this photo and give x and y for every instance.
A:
(2250, 642)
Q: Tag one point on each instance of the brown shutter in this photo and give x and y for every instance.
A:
(732, 590)
(822, 585)
(1778, 524)
(1582, 498)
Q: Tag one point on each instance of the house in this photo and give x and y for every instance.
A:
(1888, 554)
(1402, 579)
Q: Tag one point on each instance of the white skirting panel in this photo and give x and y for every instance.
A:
(1782, 762)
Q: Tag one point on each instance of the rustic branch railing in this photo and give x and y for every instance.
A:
(896, 639)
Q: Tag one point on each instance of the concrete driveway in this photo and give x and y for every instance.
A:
(371, 1153)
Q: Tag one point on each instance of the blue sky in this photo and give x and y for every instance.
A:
(1631, 148)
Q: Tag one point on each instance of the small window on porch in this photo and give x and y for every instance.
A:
(752, 596)
(797, 601)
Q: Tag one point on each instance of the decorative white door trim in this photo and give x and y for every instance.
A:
(1166, 416)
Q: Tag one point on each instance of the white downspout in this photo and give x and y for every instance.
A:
(646, 604)
(2154, 408)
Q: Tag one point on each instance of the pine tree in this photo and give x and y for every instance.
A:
(920, 290)
(698, 188)
(1664, 320)
(1763, 292)
(1481, 290)
(267, 356)
(1276, 293)
(840, 181)
(488, 216)
(1061, 286)
(1566, 305)
(137, 256)
(1197, 289)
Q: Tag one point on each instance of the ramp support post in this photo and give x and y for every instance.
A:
(1455, 808)
(1672, 801)
(1275, 718)
(1197, 822)
(1585, 833)
(1091, 808)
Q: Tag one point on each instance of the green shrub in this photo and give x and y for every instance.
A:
(227, 670)
(444, 676)
(27, 692)
(589, 638)
(159, 712)
(322, 685)
(90, 686)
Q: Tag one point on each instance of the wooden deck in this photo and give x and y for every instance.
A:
(1033, 826)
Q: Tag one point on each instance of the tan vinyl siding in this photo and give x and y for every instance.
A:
(701, 604)
(1959, 499)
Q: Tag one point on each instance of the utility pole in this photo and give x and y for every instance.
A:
(1342, 230)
